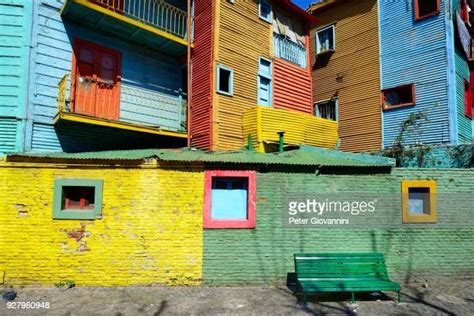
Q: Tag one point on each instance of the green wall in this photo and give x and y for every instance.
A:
(265, 254)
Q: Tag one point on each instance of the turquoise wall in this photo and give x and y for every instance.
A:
(15, 32)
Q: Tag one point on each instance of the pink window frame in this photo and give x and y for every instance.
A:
(250, 222)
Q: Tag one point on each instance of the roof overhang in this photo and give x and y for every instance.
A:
(296, 10)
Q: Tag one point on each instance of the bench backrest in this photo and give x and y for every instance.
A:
(340, 266)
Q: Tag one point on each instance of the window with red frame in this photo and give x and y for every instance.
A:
(467, 99)
(78, 198)
(398, 97)
(426, 8)
(229, 199)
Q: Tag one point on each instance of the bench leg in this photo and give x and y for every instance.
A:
(352, 298)
(398, 296)
(305, 300)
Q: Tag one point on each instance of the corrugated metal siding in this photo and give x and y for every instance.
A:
(462, 73)
(15, 26)
(415, 52)
(300, 128)
(141, 68)
(13, 53)
(8, 132)
(351, 73)
(202, 73)
(291, 87)
(243, 38)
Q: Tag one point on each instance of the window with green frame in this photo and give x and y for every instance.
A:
(77, 199)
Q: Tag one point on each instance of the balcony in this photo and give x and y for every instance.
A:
(154, 23)
(121, 106)
(288, 50)
(264, 123)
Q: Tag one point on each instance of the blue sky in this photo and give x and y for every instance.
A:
(303, 3)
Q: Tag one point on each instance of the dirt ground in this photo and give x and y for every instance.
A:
(444, 298)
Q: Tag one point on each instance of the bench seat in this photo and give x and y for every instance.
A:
(342, 272)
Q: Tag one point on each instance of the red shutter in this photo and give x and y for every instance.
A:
(467, 99)
(464, 13)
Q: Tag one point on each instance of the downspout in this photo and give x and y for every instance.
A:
(451, 88)
(188, 61)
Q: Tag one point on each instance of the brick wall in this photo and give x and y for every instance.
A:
(265, 254)
(151, 230)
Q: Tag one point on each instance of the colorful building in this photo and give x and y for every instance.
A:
(122, 74)
(158, 216)
(414, 55)
(116, 79)
(251, 77)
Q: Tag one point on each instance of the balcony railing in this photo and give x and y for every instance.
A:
(288, 50)
(136, 105)
(157, 13)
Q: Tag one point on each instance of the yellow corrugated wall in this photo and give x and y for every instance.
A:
(242, 38)
(352, 73)
(300, 128)
(150, 232)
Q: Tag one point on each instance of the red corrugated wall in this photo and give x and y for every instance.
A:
(201, 106)
(291, 87)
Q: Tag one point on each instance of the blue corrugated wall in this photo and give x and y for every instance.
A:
(52, 58)
(415, 52)
(15, 30)
(464, 125)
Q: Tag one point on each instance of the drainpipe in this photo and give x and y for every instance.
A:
(281, 143)
(249, 143)
(188, 55)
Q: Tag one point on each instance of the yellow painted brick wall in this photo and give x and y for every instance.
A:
(151, 230)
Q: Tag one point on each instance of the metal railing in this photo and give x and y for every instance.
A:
(157, 13)
(138, 105)
(288, 50)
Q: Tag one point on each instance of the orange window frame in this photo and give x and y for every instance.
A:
(417, 10)
(413, 94)
(77, 44)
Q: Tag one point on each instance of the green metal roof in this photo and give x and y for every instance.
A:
(305, 156)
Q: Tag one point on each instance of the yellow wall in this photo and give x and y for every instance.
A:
(151, 230)
(351, 73)
(241, 38)
(264, 123)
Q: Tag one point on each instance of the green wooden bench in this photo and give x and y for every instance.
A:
(342, 272)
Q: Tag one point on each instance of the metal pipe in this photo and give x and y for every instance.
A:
(281, 143)
(188, 35)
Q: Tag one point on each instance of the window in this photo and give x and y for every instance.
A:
(225, 77)
(426, 8)
(77, 199)
(326, 109)
(229, 199)
(398, 97)
(419, 201)
(467, 99)
(264, 82)
(265, 11)
(325, 40)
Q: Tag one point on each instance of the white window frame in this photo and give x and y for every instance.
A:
(231, 80)
(318, 44)
(268, 76)
(336, 107)
(270, 17)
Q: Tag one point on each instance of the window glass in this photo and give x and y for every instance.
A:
(419, 200)
(427, 7)
(224, 84)
(326, 109)
(265, 10)
(325, 40)
(402, 95)
(229, 198)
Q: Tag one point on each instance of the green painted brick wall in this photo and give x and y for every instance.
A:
(264, 255)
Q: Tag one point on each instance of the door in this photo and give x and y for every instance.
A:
(264, 91)
(96, 80)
